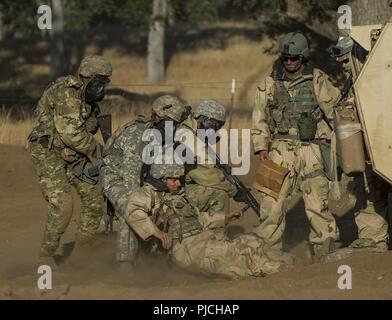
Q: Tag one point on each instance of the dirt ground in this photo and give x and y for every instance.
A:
(96, 276)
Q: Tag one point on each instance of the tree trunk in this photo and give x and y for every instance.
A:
(1, 26)
(370, 11)
(57, 40)
(156, 42)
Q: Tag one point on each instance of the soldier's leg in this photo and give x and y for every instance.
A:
(127, 242)
(371, 222)
(91, 210)
(272, 211)
(315, 188)
(204, 253)
(57, 192)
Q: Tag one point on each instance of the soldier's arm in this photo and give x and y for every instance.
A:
(69, 123)
(327, 94)
(137, 213)
(260, 130)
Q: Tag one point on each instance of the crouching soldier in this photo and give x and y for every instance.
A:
(160, 210)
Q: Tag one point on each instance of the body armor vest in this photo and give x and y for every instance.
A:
(293, 103)
(176, 216)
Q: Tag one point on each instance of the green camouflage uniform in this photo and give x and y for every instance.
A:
(279, 102)
(195, 246)
(60, 138)
(122, 158)
(206, 187)
(122, 166)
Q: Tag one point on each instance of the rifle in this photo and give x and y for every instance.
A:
(105, 126)
(245, 193)
(346, 88)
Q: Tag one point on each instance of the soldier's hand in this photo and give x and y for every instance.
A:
(91, 125)
(234, 215)
(164, 238)
(263, 154)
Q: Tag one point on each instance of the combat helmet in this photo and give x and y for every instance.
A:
(95, 65)
(169, 106)
(294, 44)
(211, 109)
(163, 171)
(342, 48)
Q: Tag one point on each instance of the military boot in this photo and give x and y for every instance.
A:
(320, 250)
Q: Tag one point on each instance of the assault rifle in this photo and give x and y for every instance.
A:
(105, 126)
(244, 194)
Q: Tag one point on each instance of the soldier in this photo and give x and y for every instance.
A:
(288, 126)
(122, 166)
(370, 218)
(160, 210)
(62, 144)
(206, 186)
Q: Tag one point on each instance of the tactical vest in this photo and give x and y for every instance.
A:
(177, 216)
(287, 109)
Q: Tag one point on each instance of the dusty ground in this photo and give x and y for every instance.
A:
(22, 217)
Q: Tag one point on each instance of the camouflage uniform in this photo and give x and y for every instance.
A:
(61, 137)
(121, 171)
(206, 187)
(370, 219)
(150, 210)
(280, 100)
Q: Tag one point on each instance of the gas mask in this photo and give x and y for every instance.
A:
(95, 89)
(211, 127)
(162, 126)
(209, 123)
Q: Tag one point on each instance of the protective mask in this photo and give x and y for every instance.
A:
(211, 127)
(162, 125)
(95, 89)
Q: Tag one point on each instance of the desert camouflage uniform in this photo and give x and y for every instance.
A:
(206, 187)
(303, 159)
(370, 219)
(62, 115)
(122, 158)
(150, 210)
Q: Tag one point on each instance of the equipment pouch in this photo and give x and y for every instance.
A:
(85, 171)
(325, 150)
(307, 127)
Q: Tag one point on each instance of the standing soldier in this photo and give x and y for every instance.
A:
(63, 148)
(289, 125)
(122, 166)
(370, 218)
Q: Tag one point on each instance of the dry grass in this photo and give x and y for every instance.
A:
(193, 75)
